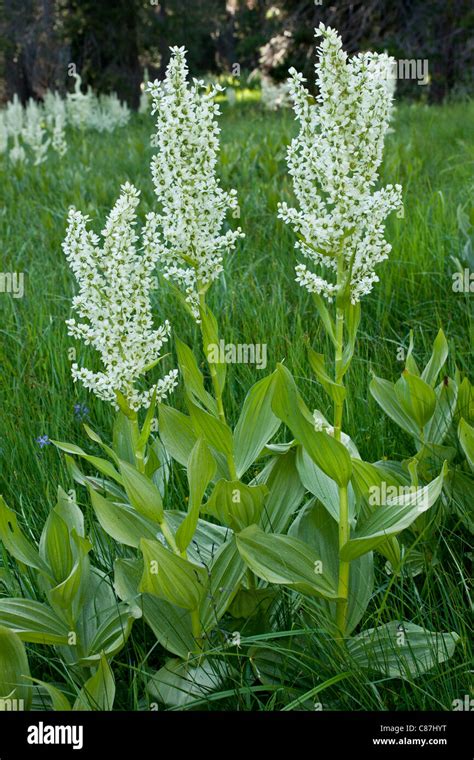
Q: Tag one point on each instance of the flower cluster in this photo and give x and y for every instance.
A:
(39, 125)
(34, 132)
(55, 112)
(188, 231)
(334, 162)
(104, 113)
(114, 301)
(13, 121)
(274, 96)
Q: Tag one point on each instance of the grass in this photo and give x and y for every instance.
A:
(431, 153)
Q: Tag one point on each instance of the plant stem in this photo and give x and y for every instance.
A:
(217, 390)
(139, 460)
(344, 567)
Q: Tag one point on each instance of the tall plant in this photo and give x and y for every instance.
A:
(334, 162)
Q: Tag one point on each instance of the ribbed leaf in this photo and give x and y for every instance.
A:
(401, 650)
(284, 560)
(256, 426)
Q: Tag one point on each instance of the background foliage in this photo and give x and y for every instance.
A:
(111, 41)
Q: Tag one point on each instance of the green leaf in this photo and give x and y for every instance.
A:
(145, 432)
(123, 438)
(102, 465)
(97, 439)
(321, 485)
(177, 433)
(392, 517)
(249, 602)
(59, 701)
(330, 455)
(466, 439)
(256, 426)
(410, 362)
(127, 575)
(55, 548)
(437, 360)
(170, 624)
(67, 595)
(143, 494)
(326, 318)
(33, 621)
(201, 469)
(193, 378)
(336, 391)
(14, 669)
(465, 405)
(401, 650)
(98, 484)
(352, 320)
(416, 397)
(215, 432)
(210, 337)
(208, 537)
(179, 437)
(179, 683)
(121, 522)
(112, 634)
(285, 491)
(98, 693)
(15, 541)
(318, 529)
(235, 504)
(285, 561)
(226, 573)
(369, 481)
(68, 510)
(383, 392)
(171, 577)
(446, 397)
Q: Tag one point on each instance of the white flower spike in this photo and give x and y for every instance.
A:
(334, 162)
(188, 231)
(114, 301)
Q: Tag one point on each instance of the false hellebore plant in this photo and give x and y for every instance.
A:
(195, 580)
(80, 616)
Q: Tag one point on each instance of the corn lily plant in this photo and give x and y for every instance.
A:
(437, 411)
(79, 614)
(241, 536)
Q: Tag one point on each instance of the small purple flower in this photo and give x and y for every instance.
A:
(43, 441)
(81, 411)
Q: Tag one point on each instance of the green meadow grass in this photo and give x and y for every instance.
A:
(431, 153)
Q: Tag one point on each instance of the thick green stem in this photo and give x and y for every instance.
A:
(139, 458)
(217, 390)
(344, 532)
(344, 567)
